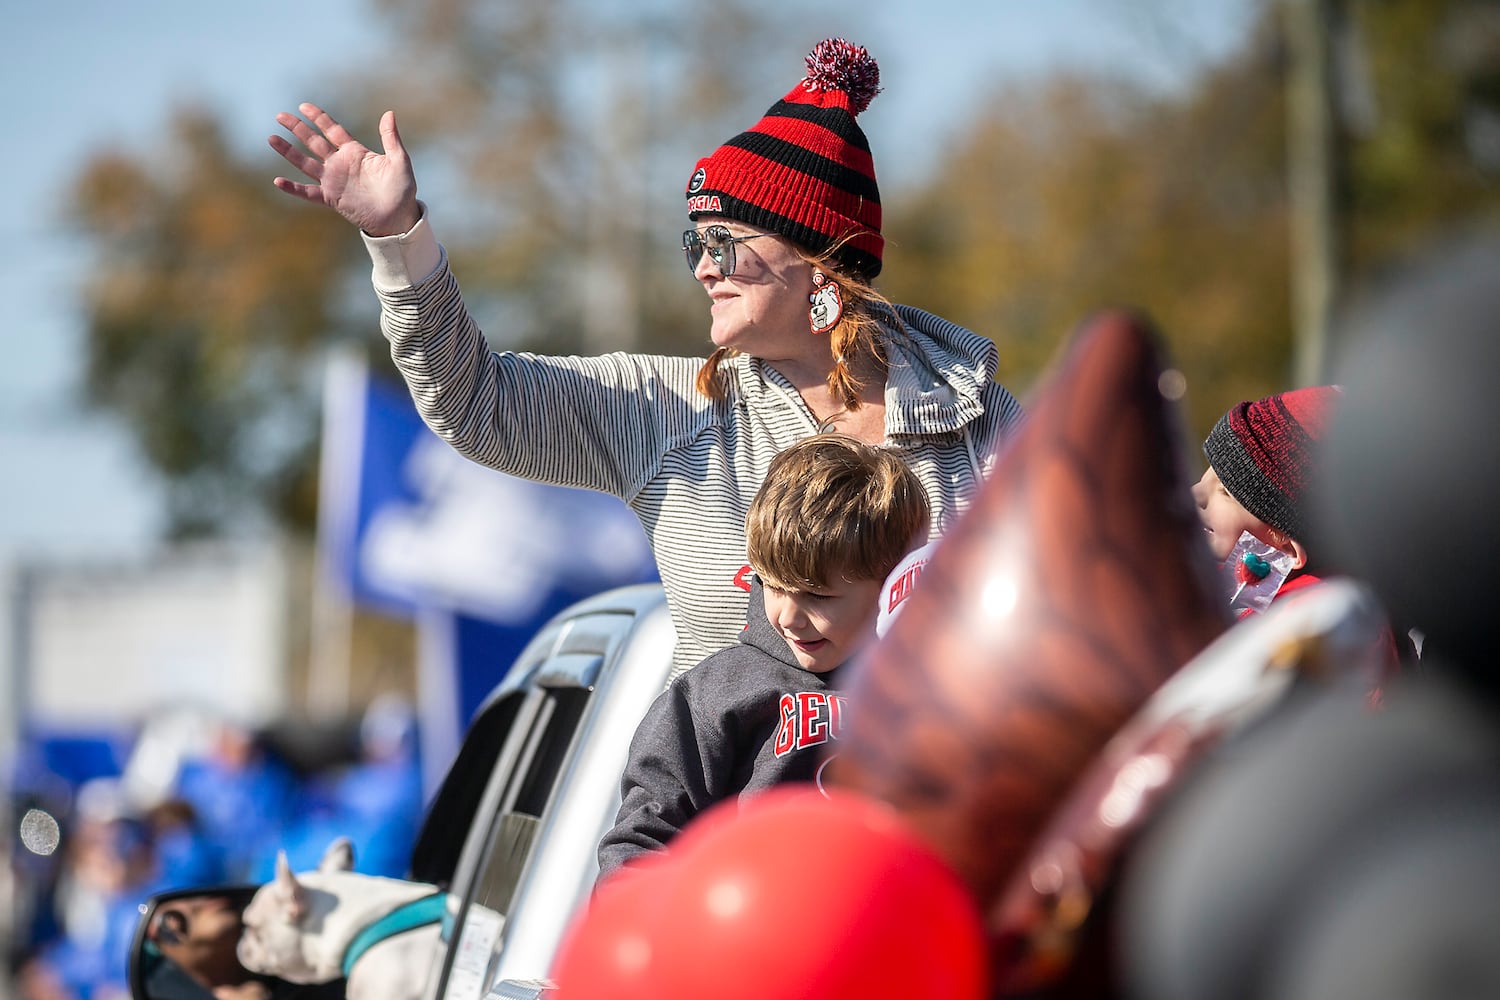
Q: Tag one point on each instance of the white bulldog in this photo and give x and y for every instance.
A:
(381, 933)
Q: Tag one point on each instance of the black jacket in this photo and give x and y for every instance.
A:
(746, 718)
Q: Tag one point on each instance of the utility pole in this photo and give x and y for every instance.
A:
(1316, 181)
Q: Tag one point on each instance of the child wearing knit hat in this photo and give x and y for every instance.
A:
(1254, 503)
(1261, 458)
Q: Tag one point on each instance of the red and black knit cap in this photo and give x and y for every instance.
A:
(805, 170)
(1265, 453)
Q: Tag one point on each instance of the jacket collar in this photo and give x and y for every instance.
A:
(938, 374)
(758, 630)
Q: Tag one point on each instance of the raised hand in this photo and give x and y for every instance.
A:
(375, 191)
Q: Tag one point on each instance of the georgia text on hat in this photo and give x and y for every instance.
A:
(805, 170)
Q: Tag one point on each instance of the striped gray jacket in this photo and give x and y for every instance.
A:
(634, 426)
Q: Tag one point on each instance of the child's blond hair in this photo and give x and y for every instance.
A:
(833, 506)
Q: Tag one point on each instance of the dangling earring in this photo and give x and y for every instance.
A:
(827, 307)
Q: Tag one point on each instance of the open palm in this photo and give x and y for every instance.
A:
(375, 191)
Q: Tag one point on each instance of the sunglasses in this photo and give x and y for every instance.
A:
(171, 927)
(719, 242)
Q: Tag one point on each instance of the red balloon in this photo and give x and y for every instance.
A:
(610, 949)
(797, 894)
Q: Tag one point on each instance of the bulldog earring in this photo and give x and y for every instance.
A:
(827, 307)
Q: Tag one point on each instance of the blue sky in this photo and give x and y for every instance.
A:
(83, 75)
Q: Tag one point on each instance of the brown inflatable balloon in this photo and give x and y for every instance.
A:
(1074, 587)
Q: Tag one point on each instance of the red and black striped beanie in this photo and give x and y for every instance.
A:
(1265, 453)
(805, 170)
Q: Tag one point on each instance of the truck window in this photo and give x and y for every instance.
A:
(510, 843)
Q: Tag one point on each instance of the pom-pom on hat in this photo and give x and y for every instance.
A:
(1264, 452)
(805, 170)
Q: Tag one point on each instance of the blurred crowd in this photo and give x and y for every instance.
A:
(199, 800)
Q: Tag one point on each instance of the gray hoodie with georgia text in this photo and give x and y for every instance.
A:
(746, 718)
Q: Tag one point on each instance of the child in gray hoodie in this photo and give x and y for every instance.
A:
(832, 519)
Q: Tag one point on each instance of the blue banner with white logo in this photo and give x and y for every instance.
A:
(424, 527)
(411, 528)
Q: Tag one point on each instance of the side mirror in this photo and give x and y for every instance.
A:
(184, 949)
